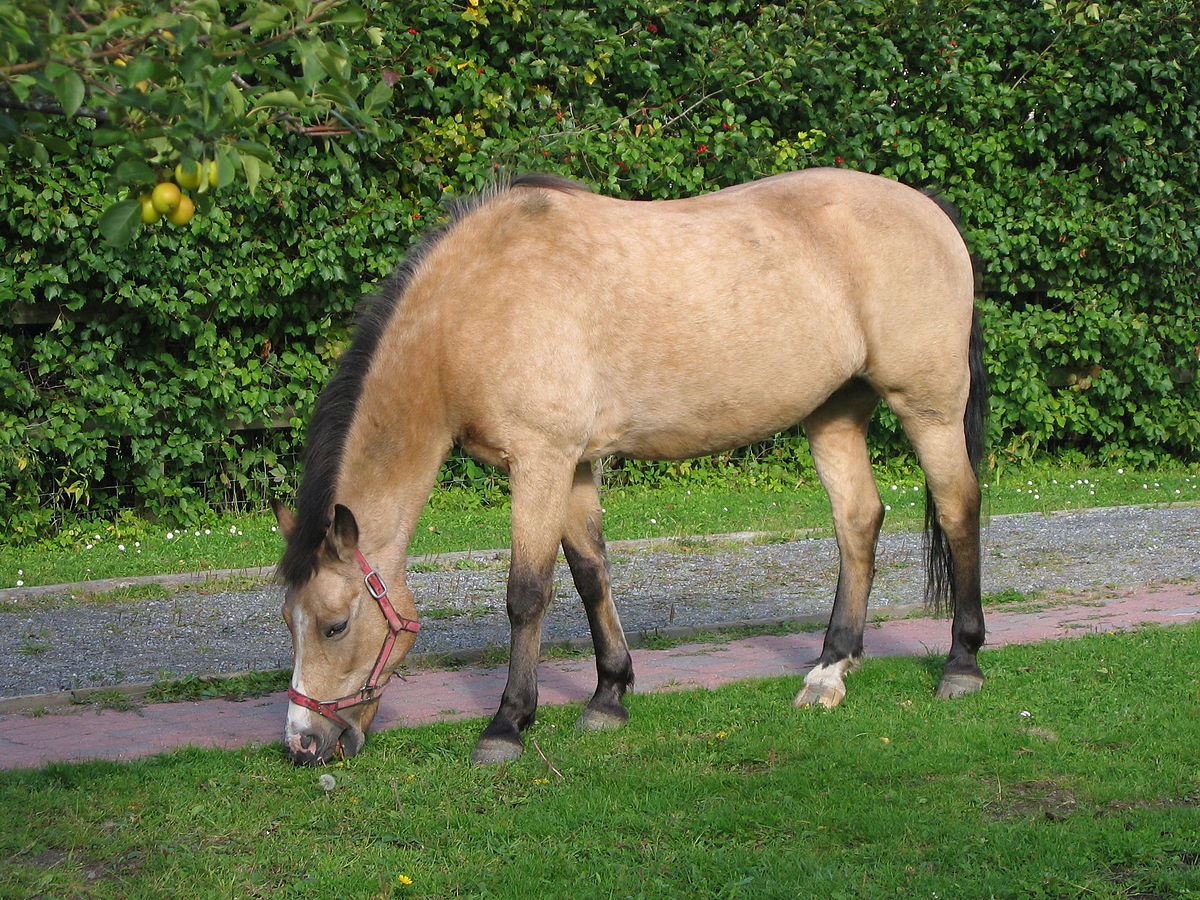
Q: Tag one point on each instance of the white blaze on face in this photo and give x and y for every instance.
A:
(299, 720)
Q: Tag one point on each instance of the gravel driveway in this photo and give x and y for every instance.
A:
(62, 644)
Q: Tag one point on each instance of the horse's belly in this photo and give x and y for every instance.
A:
(700, 422)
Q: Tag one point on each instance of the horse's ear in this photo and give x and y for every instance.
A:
(286, 519)
(343, 533)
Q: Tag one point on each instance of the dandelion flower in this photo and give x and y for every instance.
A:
(327, 782)
(404, 879)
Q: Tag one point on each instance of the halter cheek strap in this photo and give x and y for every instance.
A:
(373, 687)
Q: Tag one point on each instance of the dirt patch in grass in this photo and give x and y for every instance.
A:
(1034, 799)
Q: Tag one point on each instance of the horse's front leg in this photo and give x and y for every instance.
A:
(539, 503)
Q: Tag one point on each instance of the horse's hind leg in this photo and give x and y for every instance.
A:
(954, 493)
(837, 435)
(540, 493)
(583, 545)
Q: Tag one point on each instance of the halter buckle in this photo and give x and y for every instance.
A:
(375, 585)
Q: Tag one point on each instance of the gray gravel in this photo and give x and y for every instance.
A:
(57, 644)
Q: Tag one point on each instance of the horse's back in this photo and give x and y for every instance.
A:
(676, 328)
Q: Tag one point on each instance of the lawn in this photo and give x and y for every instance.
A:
(457, 520)
(1074, 774)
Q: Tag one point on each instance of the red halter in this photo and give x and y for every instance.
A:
(371, 689)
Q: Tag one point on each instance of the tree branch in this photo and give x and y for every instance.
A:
(84, 112)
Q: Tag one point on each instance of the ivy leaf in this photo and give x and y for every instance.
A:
(119, 222)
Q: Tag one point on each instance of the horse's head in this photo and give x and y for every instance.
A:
(348, 634)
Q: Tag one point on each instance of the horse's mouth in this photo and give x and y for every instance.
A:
(307, 749)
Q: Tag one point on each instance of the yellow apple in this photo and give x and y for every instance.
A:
(165, 196)
(150, 214)
(182, 214)
(189, 179)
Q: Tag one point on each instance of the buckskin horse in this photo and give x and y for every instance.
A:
(546, 327)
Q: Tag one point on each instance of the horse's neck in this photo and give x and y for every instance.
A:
(388, 471)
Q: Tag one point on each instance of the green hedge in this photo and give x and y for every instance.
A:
(1065, 132)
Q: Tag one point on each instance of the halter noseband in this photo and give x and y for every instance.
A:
(372, 688)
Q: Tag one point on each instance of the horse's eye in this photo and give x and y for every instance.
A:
(335, 630)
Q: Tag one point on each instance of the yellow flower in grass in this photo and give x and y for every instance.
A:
(404, 879)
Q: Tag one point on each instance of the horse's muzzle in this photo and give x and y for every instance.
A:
(319, 749)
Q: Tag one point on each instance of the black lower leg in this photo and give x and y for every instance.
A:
(528, 597)
(614, 666)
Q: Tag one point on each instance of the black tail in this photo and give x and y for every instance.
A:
(939, 571)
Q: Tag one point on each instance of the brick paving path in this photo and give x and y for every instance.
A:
(432, 695)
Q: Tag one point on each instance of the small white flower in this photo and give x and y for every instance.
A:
(895, 488)
(20, 583)
(1120, 471)
(887, 509)
(208, 531)
(327, 782)
(273, 529)
(22, 571)
(121, 547)
(137, 543)
(654, 521)
(170, 536)
(1030, 483)
(1025, 714)
(233, 529)
(1037, 496)
(90, 547)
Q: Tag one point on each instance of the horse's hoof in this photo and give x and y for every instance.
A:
(826, 695)
(492, 751)
(959, 685)
(601, 719)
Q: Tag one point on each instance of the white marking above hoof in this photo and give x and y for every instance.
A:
(825, 685)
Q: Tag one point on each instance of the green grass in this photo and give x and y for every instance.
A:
(455, 520)
(1072, 775)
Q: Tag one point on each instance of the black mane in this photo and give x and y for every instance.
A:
(339, 400)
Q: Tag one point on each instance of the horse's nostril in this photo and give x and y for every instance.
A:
(308, 743)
